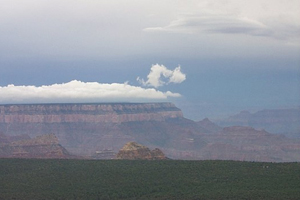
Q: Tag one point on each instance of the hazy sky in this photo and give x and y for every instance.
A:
(210, 57)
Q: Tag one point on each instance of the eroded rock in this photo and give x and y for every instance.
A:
(135, 151)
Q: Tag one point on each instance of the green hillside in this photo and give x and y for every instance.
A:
(170, 179)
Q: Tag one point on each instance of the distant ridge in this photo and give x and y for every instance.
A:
(279, 121)
(209, 125)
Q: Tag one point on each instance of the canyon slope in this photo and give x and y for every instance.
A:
(100, 130)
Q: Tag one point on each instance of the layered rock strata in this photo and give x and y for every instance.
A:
(45, 146)
(135, 151)
(101, 130)
(84, 129)
(92, 113)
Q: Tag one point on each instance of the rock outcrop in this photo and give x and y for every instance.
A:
(135, 151)
(45, 146)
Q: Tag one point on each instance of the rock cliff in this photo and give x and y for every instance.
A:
(135, 151)
(84, 129)
(101, 130)
(91, 113)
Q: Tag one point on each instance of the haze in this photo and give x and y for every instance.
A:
(212, 58)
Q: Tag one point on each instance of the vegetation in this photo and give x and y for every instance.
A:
(168, 179)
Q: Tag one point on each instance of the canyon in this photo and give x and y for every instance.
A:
(100, 130)
(84, 129)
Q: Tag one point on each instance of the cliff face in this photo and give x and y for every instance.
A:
(100, 130)
(92, 113)
(135, 151)
(84, 129)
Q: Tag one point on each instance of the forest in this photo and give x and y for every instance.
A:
(140, 179)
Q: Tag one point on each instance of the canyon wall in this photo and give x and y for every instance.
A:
(92, 113)
(100, 130)
(84, 129)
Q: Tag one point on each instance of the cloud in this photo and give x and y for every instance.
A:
(160, 71)
(212, 23)
(77, 91)
(108, 29)
(273, 19)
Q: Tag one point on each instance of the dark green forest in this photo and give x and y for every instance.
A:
(168, 179)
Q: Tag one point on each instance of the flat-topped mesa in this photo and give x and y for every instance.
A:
(90, 112)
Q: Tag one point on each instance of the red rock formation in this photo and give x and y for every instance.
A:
(135, 151)
(45, 146)
(84, 129)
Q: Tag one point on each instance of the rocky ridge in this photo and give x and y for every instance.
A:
(135, 151)
(44, 146)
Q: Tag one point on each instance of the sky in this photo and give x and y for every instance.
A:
(211, 58)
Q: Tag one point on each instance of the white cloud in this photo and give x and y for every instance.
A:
(275, 19)
(214, 23)
(77, 91)
(158, 72)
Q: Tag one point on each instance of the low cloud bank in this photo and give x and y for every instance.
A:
(78, 91)
(160, 72)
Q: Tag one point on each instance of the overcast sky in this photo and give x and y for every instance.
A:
(210, 57)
